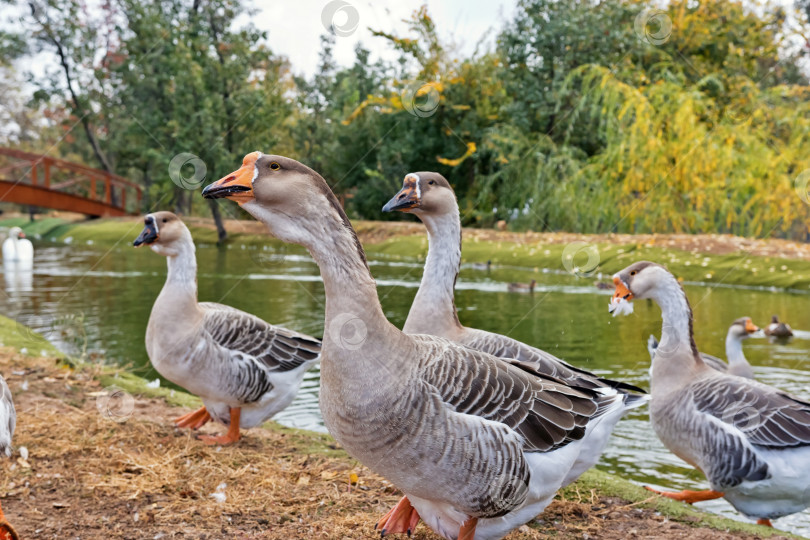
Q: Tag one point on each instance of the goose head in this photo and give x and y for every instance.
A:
(285, 195)
(641, 280)
(742, 328)
(15, 233)
(164, 232)
(424, 193)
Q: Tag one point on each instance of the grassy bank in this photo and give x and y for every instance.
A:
(702, 258)
(94, 474)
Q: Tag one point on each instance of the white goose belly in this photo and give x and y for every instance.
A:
(787, 491)
(285, 388)
(548, 471)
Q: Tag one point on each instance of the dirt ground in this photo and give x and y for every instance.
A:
(96, 468)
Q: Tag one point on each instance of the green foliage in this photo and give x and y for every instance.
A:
(585, 116)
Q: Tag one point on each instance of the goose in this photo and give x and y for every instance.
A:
(8, 421)
(429, 196)
(752, 441)
(482, 266)
(778, 328)
(479, 445)
(522, 287)
(740, 330)
(17, 248)
(244, 369)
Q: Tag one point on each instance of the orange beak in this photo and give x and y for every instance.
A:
(237, 186)
(621, 290)
(750, 327)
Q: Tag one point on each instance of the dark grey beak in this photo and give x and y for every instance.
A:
(406, 199)
(216, 191)
(148, 235)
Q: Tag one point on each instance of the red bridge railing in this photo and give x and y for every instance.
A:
(45, 181)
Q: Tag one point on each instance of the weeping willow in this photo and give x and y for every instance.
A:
(676, 159)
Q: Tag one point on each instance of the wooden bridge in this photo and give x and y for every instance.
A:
(38, 180)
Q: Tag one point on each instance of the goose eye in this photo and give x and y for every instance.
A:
(632, 272)
(431, 182)
(165, 220)
(275, 166)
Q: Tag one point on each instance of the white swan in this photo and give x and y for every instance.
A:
(17, 248)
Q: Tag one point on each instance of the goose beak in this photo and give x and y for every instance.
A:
(622, 292)
(21, 235)
(237, 186)
(408, 197)
(148, 235)
(750, 327)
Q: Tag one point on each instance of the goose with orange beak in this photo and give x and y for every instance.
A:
(478, 444)
(752, 441)
(739, 331)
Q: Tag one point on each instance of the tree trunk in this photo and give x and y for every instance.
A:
(78, 109)
(179, 200)
(222, 234)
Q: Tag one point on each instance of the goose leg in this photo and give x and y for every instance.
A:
(467, 531)
(687, 496)
(233, 430)
(402, 518)
(7, 532)
(764, 521)
(193, 420)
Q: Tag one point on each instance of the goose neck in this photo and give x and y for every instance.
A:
(354, 316)
(433, 310)
(676, 357)
(734, 349)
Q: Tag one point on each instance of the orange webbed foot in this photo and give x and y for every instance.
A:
(467, 531)
(765, 522)
(402, 518)
(7, 532)
(193, 420)
(689, 497)
(233, 431)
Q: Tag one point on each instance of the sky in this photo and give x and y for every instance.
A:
(294, 27)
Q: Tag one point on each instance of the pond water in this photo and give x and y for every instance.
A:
(98, 301)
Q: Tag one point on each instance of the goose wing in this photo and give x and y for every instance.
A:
(546, 412)
(479, 417)
(539, 360)
(766, 416)
(277, 348)
(8, 418)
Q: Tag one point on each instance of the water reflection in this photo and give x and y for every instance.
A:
(110, 295)
(18, 278)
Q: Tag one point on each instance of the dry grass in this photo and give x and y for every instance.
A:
(88, 476)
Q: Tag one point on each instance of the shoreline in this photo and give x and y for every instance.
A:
(97, 470)
(703, 259)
